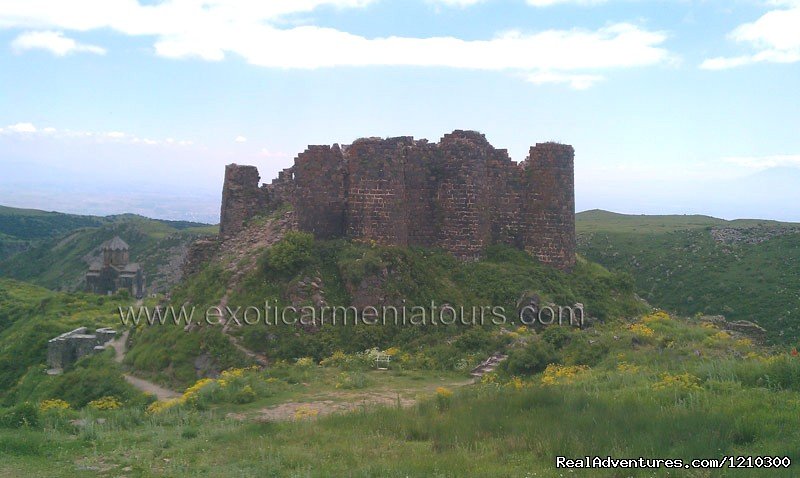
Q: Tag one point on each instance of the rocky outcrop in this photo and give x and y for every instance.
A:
(751, 235)
(741, 327)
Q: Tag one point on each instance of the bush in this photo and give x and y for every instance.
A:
(245, 394)
(23, 415)
(557, 335)
(534, 358)
(351, 380)
(290, 254)
(105, 403)
(475, 339)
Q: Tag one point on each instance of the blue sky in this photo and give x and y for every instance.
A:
(673, 106)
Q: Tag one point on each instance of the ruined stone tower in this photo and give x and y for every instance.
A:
(460, 194)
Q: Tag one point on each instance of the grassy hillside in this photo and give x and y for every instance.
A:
(347, 273)
(31, 315)
(744, 269)
(60, 246)
(22, 228)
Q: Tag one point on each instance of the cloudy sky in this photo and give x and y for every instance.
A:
(673, 106)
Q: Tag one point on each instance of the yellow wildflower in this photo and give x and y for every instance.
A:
(641, 330)
(105, 403)
(560, 374)
(684, 381)
(53, 404)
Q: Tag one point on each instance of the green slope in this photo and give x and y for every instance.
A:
(22, 228)
(60, 246)
(31, 315)
(750, 271)
(393, 274)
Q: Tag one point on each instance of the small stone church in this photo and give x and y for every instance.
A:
(115, 271)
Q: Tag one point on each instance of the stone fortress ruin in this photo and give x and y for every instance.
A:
(64, 350)
(460, 194)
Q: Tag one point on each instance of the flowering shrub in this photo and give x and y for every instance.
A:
(516, 383)
(719, 339)
(625, 367)
(338, 359)
(350, 380)
(105, 403)
(659, 316)
(237, 385)
(156, 408)
(443, 398)
(561, 374)
(305, 362)
(684, 381)
(53, 404)
(245, 395)
(641, 330)
(192, 393)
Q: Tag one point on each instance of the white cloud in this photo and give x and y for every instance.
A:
(760, 163)
(776, 36)
(240, 139)
(22, 128)
(458, 3)
(214, 29)
(549, 3)
(577, 82)
(54, 42)
(28, 129)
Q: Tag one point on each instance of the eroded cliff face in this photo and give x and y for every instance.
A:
(460, 194)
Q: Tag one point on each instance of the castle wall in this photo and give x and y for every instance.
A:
(423, 173)
(463, 194)
(320, 189)
(241, 198)
(549, 214)
(460, 194)
(376, 200)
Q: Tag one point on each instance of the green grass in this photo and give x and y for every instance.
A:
(31, 315)
(733, 403)
(598, 220)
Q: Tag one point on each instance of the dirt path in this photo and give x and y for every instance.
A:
(118, 345)
(161, 393)
(345, 402)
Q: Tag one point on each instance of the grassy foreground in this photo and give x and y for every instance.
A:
(654, 387)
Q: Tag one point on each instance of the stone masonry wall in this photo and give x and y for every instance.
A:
(241, 198)
(549, 217)
(460, 194)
